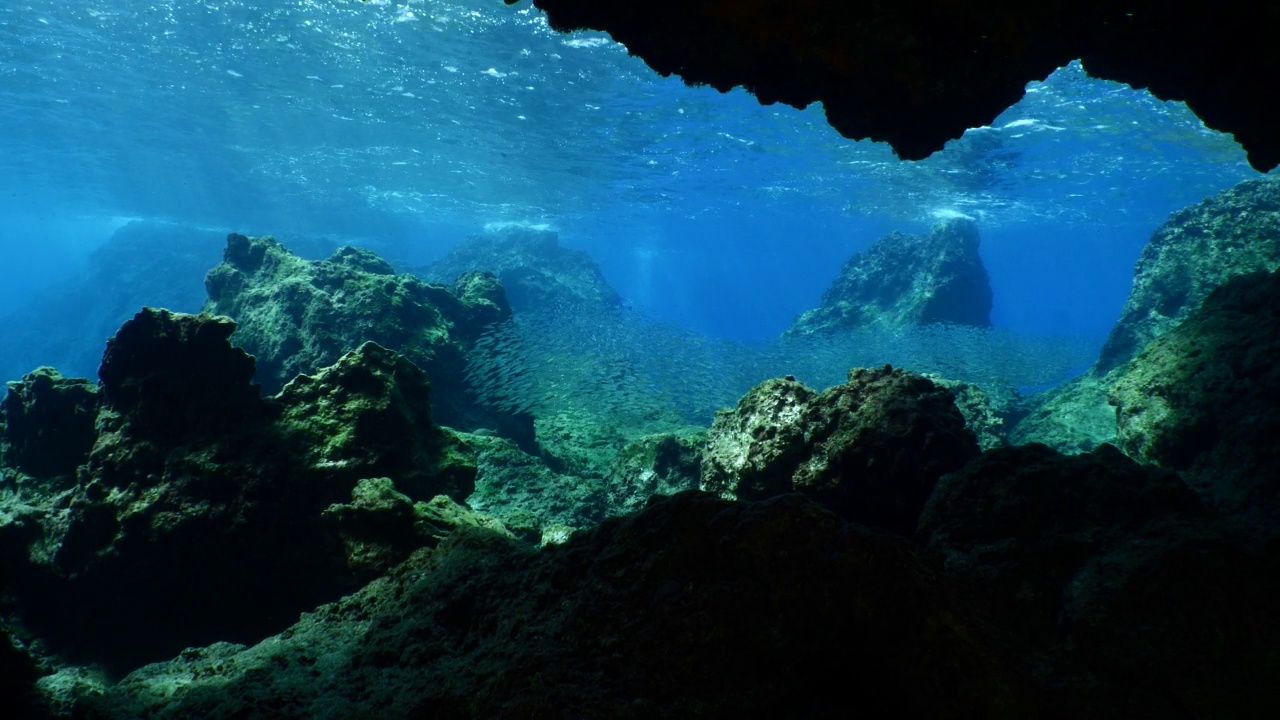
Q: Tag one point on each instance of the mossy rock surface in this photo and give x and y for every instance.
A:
(1197, 249)
(297, 316)
(200, 511)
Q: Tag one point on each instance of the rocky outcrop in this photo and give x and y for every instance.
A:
(1071, 418)
(1204, 399)
(537, 273)
(906, 280)
(1113, 578)
(1197, 249)
(296, 316)
(918, 75)
(662, 464)
(204, 512)
(47, 423)
(870, 449)
(680, 610)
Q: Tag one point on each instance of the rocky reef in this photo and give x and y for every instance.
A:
(1195, 251)
(1204, 399)
(174, 506)
(905, 280)
(537, 273)
(870, 449)
(296, 316)
(918, 75)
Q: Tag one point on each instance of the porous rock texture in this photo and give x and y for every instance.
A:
(918, 74)
(1204, 399)
(199, 514)
(1114, 581)
(870, 449)
(537, 273)
(296, 316)
(905, 280)
(685, 609)
(1197, 249)
(47, 423)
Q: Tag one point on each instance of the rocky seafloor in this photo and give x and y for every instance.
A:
(304, 510)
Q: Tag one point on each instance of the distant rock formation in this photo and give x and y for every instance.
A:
(296, 316)
(870, 449)
(143, 264)
(197, 511)
(1204, 399)
(537, 273)
(1197, 249)
(906, 280)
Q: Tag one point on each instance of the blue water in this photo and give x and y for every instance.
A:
(407, 125)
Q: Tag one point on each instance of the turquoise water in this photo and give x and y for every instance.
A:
(407, 125)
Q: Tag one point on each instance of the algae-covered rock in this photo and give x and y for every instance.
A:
(870, 449)
(1204, 399)
(905, 280)
(1114, 578)
(527, 495)
(984, 414)
(1073, 418)
(1197, 249)
(296, 316)
(537, 272)
(662, 464)
(200, 511)
(47, 423)
(681, 610)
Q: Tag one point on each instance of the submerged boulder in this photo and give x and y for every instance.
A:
(870, 449)
(1204, 399)
(200, 512)
(1197, 249)
(1114, 579)
(47, 423)
(538, 274)
(905, 280)
(296, 316)
(684, 609)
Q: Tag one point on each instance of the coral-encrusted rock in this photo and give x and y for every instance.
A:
(692, 607)
(904, 280)
(1197, 249)
(1204, 399)
(1114, 578)
(536, 272)
(200, 513)
(296, 316)
(46, 423)
(870, 449)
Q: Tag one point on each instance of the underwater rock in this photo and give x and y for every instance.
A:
(870, 449)
(1197, 249)
(1113, 578)
(296, 316)
(663, 464)
(537, 273)
(47, 423)
(200, 512)
(906, 280)
(142, 264)
(527, 495)
(1072, 418)
(1204, 399)
(984, 414)
(918, 75)
(681, 610)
